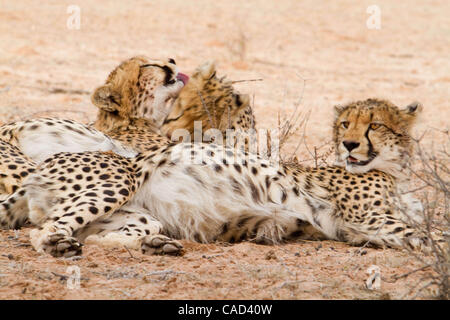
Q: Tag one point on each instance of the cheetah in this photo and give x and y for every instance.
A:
(130, 105)
(40, 138)
(203, 100)
(200, 102)
(137, 87)
(209, 192)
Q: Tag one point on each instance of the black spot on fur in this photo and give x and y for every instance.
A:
(143, 220)
(124, 192)
(108, 192)
(79, 220)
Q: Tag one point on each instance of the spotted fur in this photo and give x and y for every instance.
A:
(135, 97)
(14, 166)
(205, 193)
(212, 102)
(138, 87)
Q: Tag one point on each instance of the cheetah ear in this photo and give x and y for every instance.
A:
(338, 109)
(414, 108)
(242, 100)
(207, 70)
(410, 113)
(105, 98)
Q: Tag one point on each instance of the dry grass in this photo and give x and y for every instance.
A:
(432, 171)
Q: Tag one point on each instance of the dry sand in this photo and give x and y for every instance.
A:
(318, 53)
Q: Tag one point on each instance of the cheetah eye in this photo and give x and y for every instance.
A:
(374, 126)
(172, 61)
(344, 124)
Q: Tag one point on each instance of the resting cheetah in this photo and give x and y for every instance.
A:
(130, 91)
(40, 138)
(207, 192)
(203, 99)
(200, 102)
(137, 87)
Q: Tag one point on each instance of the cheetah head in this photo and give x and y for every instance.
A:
(374, 134)
(208, 99)
(138, 87)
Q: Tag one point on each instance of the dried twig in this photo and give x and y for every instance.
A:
(433, 172)
(246, 80)
(129, 252)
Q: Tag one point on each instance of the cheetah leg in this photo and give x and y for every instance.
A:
(14, 210)
(268, 230)
(386, 231)
(14, 167)
(56, 234)
(134, 230)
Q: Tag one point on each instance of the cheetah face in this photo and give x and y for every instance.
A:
(208, 99)
(158, 83)
(374, 134)
(140, 87)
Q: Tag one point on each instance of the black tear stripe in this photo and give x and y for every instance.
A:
(371, 151)
(173, 119)
(167, 120)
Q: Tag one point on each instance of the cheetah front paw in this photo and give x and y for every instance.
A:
(57, 244)
(159, 244)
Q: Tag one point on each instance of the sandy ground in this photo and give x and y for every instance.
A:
(318, 53)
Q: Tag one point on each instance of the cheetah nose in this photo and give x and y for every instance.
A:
(350, 145)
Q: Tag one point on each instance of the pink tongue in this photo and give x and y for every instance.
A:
(183, 77)
(352, 159)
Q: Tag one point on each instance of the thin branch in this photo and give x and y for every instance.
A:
(246, 80)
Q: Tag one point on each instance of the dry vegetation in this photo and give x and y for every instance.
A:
(432, 172)
(310, 56)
